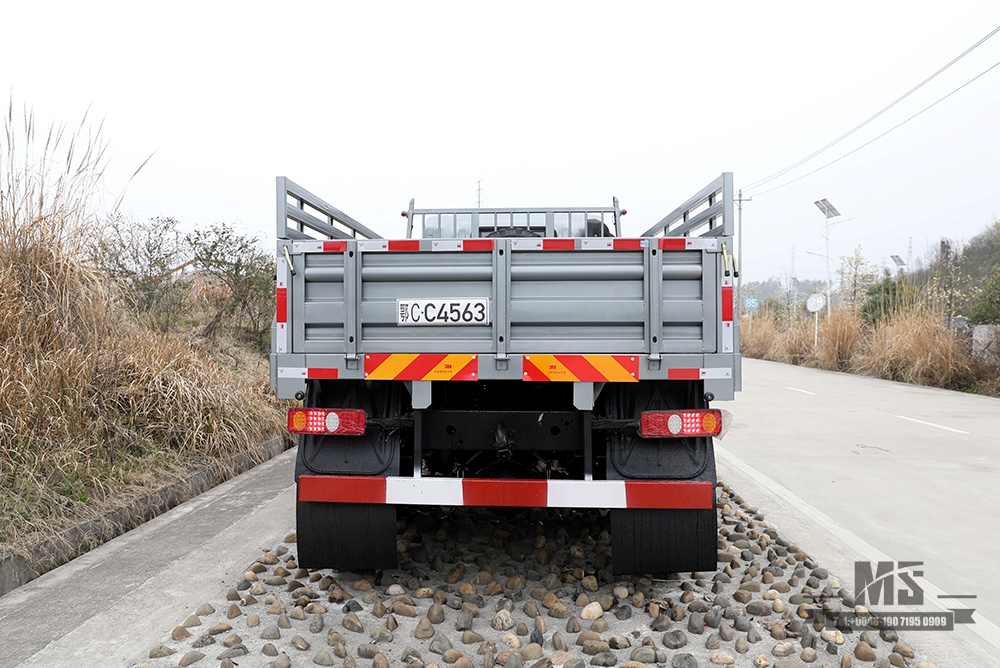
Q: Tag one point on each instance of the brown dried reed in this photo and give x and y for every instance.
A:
(94, 406)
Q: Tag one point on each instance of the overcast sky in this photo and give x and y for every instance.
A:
(544, 103)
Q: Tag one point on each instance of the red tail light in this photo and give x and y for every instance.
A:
(676, 424)
(339, 421)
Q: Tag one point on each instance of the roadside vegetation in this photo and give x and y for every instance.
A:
(911, 327)
(130, 355)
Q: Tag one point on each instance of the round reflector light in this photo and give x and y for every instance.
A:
(709, 423)
(299, 420)
(332, 422)
(674, 423)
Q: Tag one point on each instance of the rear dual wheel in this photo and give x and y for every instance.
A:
(351, 536)
(659, 540)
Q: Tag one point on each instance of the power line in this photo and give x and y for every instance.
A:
(873, 117)
(933, 104)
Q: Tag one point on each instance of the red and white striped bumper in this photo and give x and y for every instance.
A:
(680, 494)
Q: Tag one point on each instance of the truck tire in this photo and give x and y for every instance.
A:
(350, 536)
(661, 541)
(346, 536)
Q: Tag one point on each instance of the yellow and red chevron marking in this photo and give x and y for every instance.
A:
(407, 366)
(582, 368)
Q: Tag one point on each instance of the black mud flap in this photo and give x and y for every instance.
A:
(346, 536)
(661, 541)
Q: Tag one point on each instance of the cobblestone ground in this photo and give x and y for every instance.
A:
(534, 589)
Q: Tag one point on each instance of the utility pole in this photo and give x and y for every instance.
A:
(739, 252)
(479, 194)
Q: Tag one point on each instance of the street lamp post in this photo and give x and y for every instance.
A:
(829, 211)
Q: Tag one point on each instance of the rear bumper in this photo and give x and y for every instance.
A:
(676, 494)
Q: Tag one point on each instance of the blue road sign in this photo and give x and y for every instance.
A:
(751, 303)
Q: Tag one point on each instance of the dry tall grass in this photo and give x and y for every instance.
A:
(840, 339)
(912, 345)
(93, 405)
(916, 347)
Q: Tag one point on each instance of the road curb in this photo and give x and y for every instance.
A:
(48, 554)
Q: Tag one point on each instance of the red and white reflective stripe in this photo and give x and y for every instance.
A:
(688, 243)
(333, 246)
(385, 245)
(283, 278)
(699, 374)
(319, 373)
(612, 243)
(532, 243)
(466, 245)
(727, 316)
(689, 494)
(589, 243)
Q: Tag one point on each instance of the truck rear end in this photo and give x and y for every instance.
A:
(506, 357)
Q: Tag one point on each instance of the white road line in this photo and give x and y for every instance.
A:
(795, 389)
(931, 424)
(984, 628)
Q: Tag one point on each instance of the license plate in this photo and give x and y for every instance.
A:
(442, 311)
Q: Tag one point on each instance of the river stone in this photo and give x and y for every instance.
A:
(452, 655)
(160, 651)
(696, 623)
(594, 647)
(323, 658)
(674, 639)
(435, 613)
(684, 660)
(660, 623)
(643, 655)
(352, 623)
(604, 659)
(758, 609)
(783, 648)
(599, 625)
(531, 652)
(722, 658)
(190, 658)
(592, 611)
(502, 620)
(864, 652)
(903, 649)
(440, 644)
(235, 651)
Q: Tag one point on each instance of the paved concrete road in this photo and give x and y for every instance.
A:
(863, 469)
(111, 605)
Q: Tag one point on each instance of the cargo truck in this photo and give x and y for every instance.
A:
(509, 357)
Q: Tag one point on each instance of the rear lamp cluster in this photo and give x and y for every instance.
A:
(677, 424)
(336, 421)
